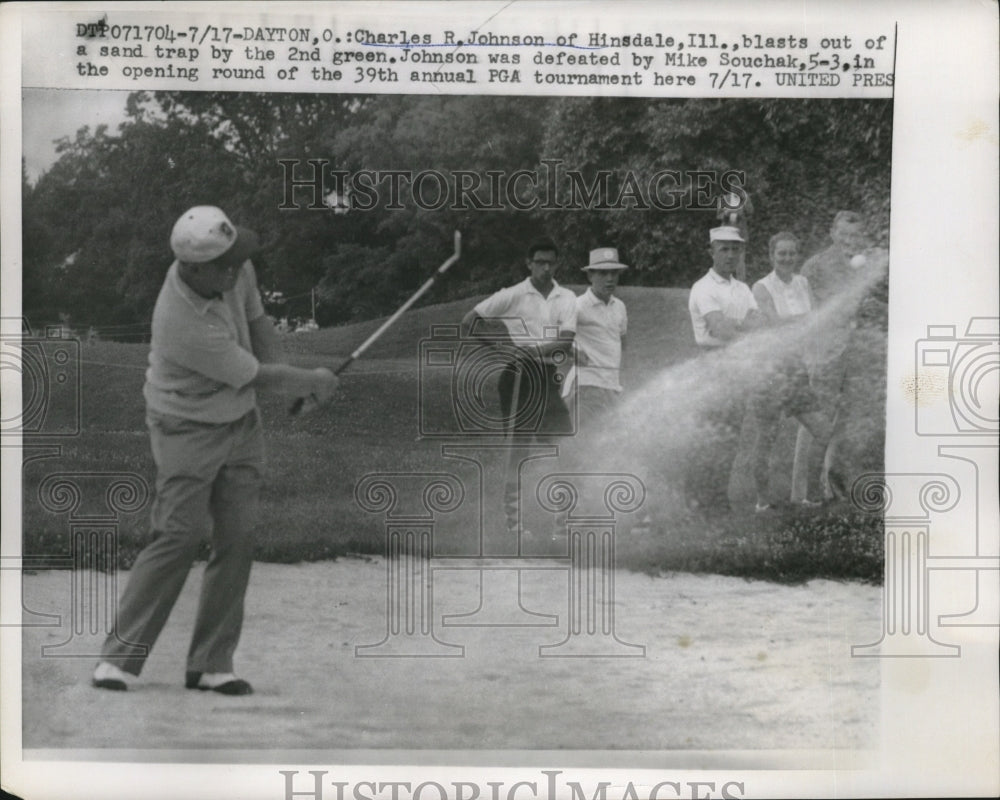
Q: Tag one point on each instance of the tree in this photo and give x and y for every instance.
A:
(109, 203)
(441, 138)
(98, 222)
(802, 161)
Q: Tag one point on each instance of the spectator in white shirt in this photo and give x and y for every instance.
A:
(601, 326)
(535, 320)
(722, 308)
(532, 326)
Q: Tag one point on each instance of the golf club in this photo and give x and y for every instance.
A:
(305, 404)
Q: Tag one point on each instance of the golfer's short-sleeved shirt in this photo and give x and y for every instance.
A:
(528, 314)
(790, 299)
(201, 360)
(600, 327)
(711, 293)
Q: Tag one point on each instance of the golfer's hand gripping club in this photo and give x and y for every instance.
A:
(325, 385)
(305, 405)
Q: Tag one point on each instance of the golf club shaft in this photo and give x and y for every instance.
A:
(299, 403)
(511, 500)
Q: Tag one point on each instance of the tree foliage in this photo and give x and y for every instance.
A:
(802, 160)
(97, 223)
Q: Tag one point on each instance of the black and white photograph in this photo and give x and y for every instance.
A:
(481, 400)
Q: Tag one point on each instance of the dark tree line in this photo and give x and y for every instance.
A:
(96, 224)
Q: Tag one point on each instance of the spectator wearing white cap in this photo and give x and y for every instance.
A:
(601, 328)
(722, 308)
(212, 348)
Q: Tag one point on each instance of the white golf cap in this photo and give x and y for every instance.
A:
(204, 233)
(725, 233)
(604, 258)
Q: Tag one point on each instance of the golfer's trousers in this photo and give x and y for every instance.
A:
(207, 485)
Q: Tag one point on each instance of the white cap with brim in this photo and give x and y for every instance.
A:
(204, 233)
(604, 258)
(725, 233)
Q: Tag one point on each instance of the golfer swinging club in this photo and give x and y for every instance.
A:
(212, 349)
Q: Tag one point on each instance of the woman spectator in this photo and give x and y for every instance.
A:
(783, 297)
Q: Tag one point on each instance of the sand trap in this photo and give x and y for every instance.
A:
(728, 664)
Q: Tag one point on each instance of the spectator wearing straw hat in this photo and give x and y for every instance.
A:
(722, 309)
(601, 327)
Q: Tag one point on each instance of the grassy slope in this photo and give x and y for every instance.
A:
(309, 510)
(658, 319)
